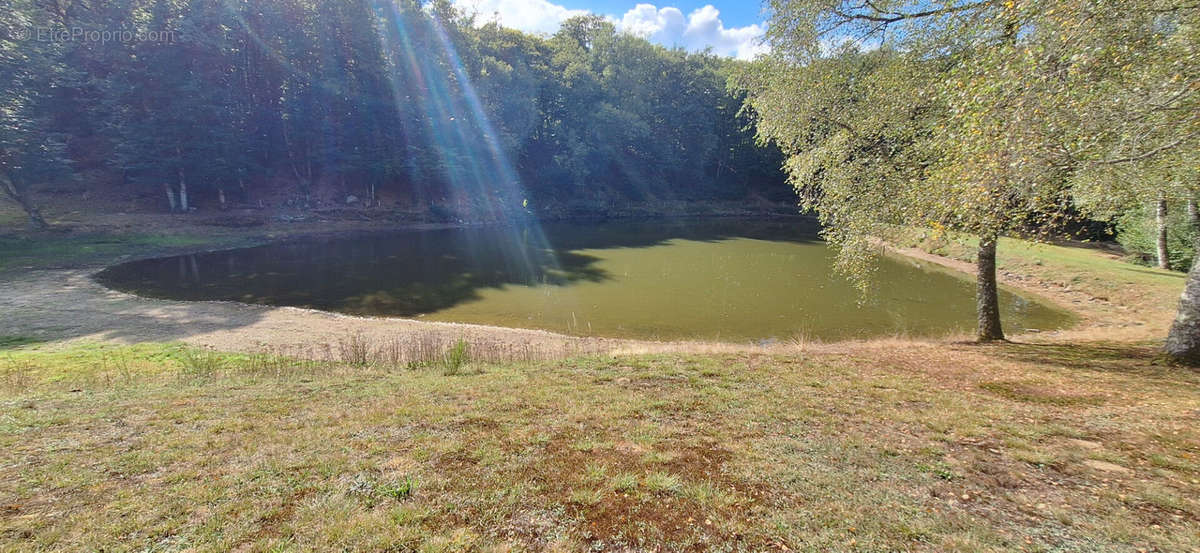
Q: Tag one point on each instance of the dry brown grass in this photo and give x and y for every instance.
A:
(889, 446)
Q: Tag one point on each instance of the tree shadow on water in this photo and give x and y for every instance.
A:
(411, 273)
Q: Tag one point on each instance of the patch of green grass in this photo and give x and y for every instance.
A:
(662, 482)
(939, 469)
(373, 488)
(12, 216)
(709, 495)
(10, 342)
(625, 482)
(595, 472)
(93, 365)
(397, 489)
(55, 250)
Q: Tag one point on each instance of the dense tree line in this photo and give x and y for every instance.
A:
(990, 118)
(394, 102)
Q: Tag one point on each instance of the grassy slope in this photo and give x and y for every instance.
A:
(887, 445)
(86, 235)
(18, 253)
(1152, 291)
(1106, 291)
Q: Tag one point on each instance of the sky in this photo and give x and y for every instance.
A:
(730, 27)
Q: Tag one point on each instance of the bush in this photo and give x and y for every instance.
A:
(455, 358)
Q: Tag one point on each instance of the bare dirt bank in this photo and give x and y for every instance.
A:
(69, 305)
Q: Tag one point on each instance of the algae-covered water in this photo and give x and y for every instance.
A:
(728, 280)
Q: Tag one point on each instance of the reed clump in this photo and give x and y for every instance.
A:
(452, 353)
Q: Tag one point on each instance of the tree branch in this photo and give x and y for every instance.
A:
(1148, 154)
(882, 16)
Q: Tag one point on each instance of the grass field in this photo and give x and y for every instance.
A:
(1067, 442)
(893, 447)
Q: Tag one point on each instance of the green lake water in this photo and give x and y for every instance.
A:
(729, 280)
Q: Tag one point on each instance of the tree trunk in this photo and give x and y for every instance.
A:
(1183, 342)
(35, 215)
(183, 193)
(987, 299)
(170, 196)
(1160, 219)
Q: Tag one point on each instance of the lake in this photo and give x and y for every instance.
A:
(730, 280)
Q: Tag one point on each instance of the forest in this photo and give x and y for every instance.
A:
(200, 104)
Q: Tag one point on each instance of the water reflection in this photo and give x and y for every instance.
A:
(684, 279)
(399, 274)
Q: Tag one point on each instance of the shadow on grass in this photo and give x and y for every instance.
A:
(1162, 273)
(1028, 392)
(1137, 358)
(10, 342)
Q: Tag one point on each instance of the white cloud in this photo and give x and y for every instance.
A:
(701, 29)
(533, 16)
(668, 26)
